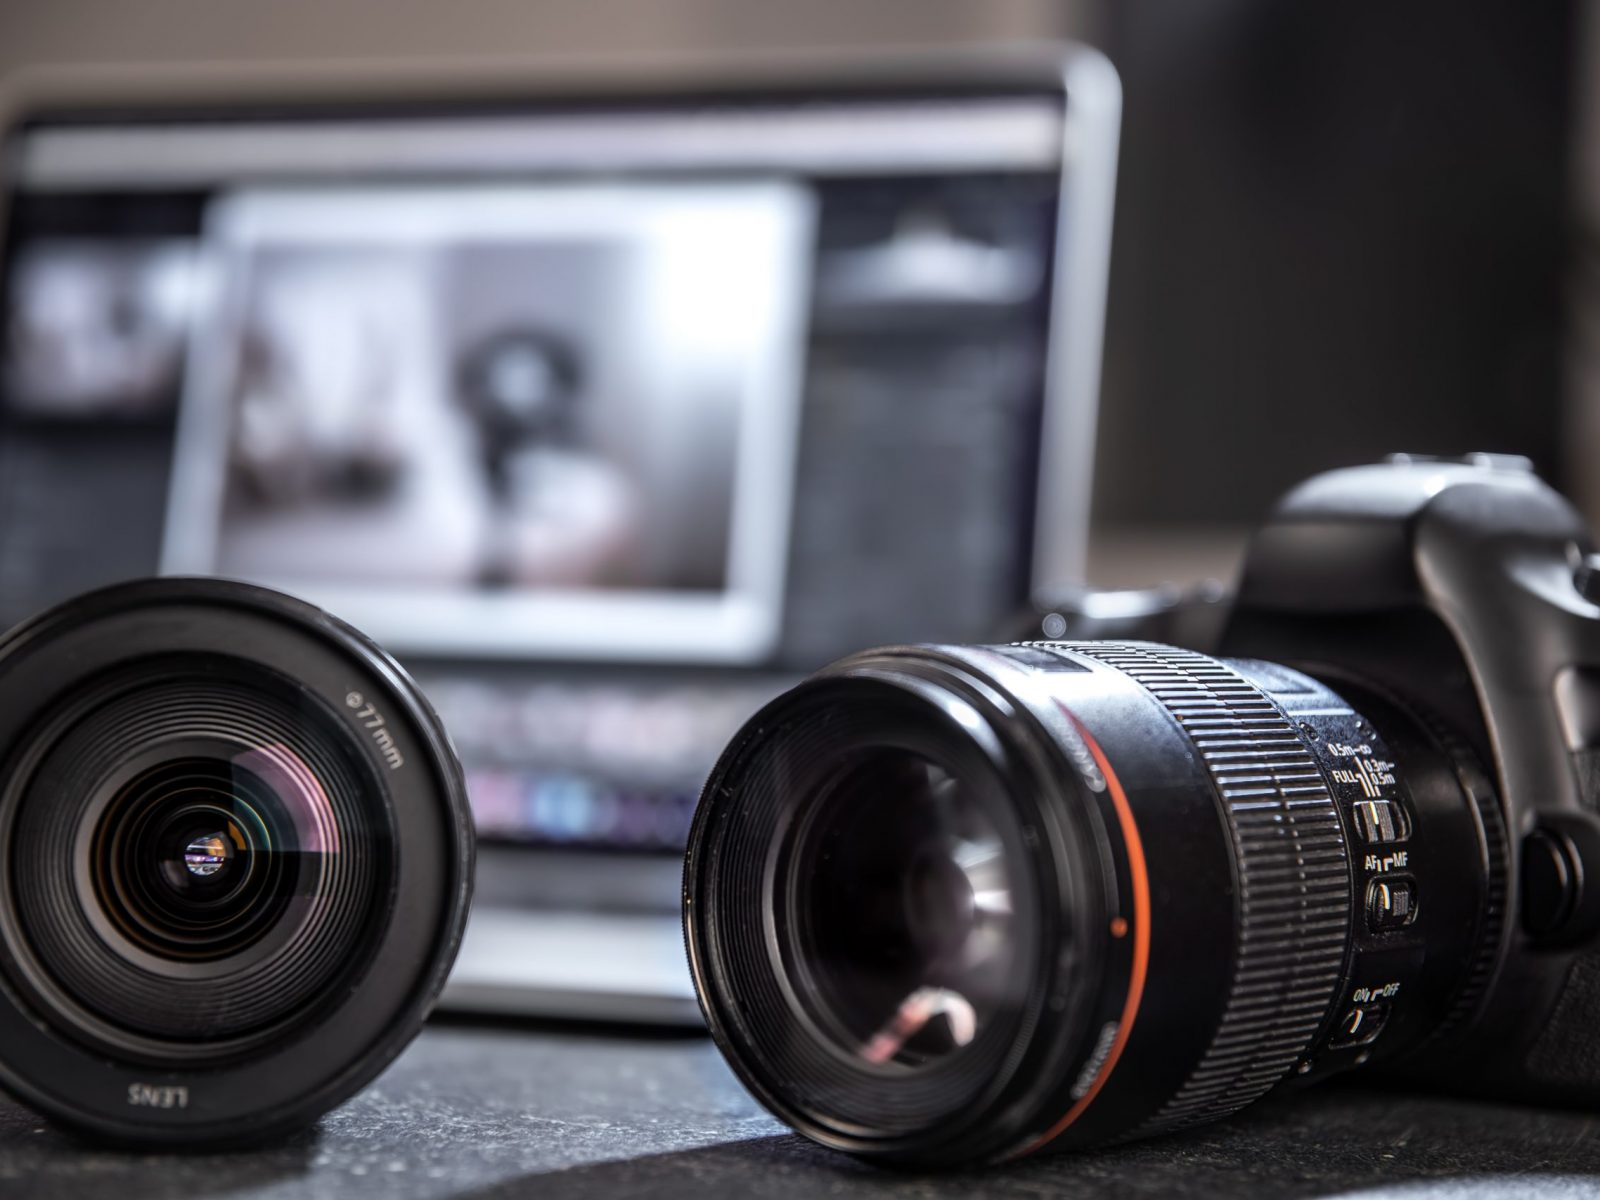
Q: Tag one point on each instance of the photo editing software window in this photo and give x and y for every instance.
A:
(608, 423)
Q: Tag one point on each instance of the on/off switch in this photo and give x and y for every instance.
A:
(1360, 1024)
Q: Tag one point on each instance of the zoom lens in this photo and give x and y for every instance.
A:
(234, 862)
(955, 905)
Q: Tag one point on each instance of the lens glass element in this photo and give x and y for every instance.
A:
(195, 858)
(206, 855)
(199, 855)
(903, 896)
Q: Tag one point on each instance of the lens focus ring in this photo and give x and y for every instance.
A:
(1293, 873)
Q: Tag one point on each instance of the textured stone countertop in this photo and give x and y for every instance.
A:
(503, 1113)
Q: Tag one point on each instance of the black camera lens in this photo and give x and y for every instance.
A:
(234, 861)
(954, 905)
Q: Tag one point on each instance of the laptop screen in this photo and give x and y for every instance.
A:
(607, 420)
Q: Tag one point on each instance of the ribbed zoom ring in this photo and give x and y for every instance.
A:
(1293, 873)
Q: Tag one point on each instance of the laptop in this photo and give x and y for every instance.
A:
(612, 412)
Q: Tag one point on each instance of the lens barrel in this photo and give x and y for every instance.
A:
(950, 905)
(235, 860)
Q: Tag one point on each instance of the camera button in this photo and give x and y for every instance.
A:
(1391, 902)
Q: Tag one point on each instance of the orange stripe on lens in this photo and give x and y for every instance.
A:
(1139, 879)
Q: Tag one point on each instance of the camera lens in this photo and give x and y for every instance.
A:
(954, 905)
(234, 861)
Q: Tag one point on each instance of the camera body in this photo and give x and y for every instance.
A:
(948, 905)
(1469, 591)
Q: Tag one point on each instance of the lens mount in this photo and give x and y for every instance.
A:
(215, 875)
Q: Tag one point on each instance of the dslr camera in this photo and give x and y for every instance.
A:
(958, 904)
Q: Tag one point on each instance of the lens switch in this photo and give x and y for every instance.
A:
(1391, 902)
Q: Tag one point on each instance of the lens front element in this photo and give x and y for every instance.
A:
(903, 903)
(878, 910)
(136, 949)
(211, 874)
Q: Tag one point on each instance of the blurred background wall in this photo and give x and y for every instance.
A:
(1342, 229)
(562, 32)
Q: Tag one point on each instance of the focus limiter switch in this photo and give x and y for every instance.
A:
(1391, 902)
(1381, 821)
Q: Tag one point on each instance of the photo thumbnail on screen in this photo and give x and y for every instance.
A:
(556, 420)
(98, 328)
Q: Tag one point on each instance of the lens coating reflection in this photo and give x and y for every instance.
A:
(206, 855)
(903, 896)
(176, 886)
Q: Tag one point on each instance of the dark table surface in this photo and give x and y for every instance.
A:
(502, 1113)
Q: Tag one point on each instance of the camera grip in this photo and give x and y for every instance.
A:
(1566, 1054)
